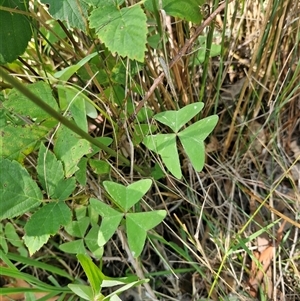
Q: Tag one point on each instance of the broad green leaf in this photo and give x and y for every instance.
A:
(192, 140)
(127, 26)
(201, 54)
(69, 148)
(77, 110)
(15, 31)
(137, 225)
(177, 119)
(188, 10)
(165, 146)
(81, 173)
(105, 140)
(78, 228)
(126, 197)
(83, 291)
(111, 219)
(99, 167)
(16, 142)
(93, 273)
(109, 225)
(76, 101)
(64, 189)
(34, 243)
(48, 219)
(73, 247)
(74, 12)
(91, 241)
(19, 193)
(51, 175)
(12, 236)
(50, 170)
(66, 73)
(80, 211)
(20, 104)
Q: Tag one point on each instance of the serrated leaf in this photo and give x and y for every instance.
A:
(34, 243)
(48, 219)
(50, 170)
(16, 142)
(126, 197)
(127, 26)
(18, 192)
(105, 2)
(15, 31)
(111, 219)
(18, 103)
(69, 148)
(137, 225)
(73, 247)
(192, 140)
(165, 146)
(177, 119)
(51, 175)
(64, 189)
(74, 12)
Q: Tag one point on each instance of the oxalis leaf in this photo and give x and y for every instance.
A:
(165, 146)
(111, 219)
(177, 119)
(192, 138)
(123, 31)
(126, 197)
(137, 225)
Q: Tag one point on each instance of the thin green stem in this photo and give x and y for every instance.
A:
(73, 127)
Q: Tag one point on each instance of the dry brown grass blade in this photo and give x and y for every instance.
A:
(178, 56)
(263, 202)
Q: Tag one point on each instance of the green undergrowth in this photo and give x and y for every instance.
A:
(129, 157)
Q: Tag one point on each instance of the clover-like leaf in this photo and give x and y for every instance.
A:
(137, 225)
(126, 197)
(177, 119)
(165, 146)
(192, 140)
(111, 219)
